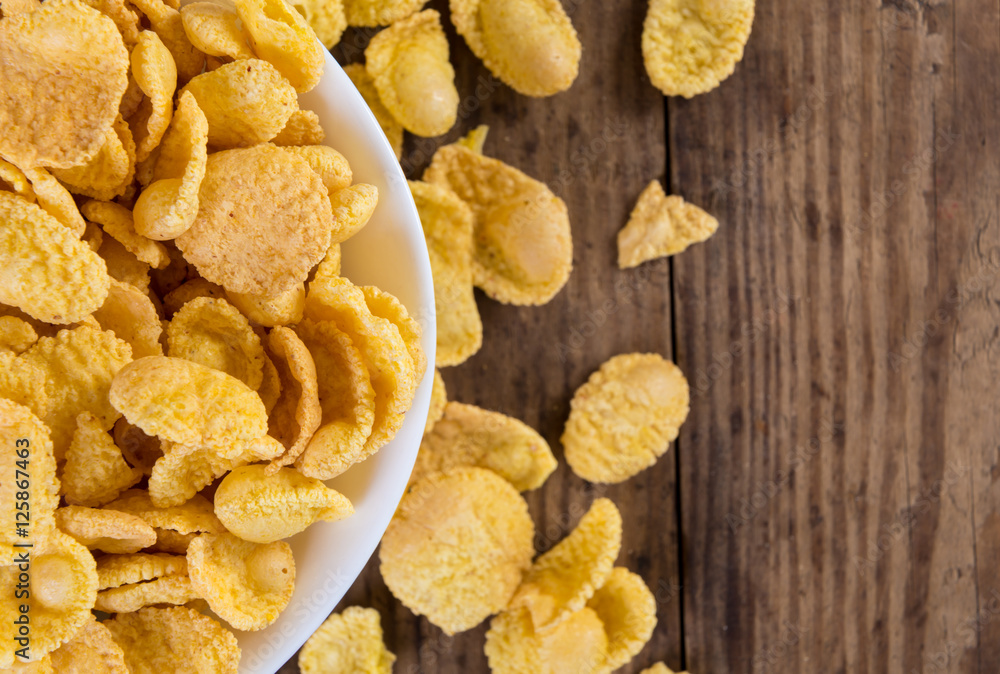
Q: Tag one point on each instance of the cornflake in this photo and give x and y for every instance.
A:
(625, 417)
(661, 226)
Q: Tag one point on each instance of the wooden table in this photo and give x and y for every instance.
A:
(833, 501)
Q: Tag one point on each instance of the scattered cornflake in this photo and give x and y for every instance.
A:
(564, 578)
(529, 44)
(690, 47)
(457, 547)
(346, 643)
(624, 417)
(661, 226)
(469, 436)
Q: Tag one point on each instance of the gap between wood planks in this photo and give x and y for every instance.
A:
(668, 188)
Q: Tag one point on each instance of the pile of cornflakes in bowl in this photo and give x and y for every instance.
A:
(182, 365)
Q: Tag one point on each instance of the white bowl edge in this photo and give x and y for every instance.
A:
(389, 252)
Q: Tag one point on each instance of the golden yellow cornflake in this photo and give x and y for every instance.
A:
(47, 272)
(131, 316)
(264, 221)
(386, 305)
(93, 236)
(44, 664)
(132, 98)
(280, 35)
(214, 28)
(469, 436)
(95, 472)
(270, 387)
(265, 508)
(409, 66)
(392, 129)
(382, 351)
(661, 226)
(123, 265)
(562, 580)
(246, 102)
(330, 266)
(302, 128)
(329, 165)
(12, 179)
(213, 333)
(92, 649)
(155, 73)
(625, 417)
(125, 19)
(345, 643)
(62, 590)
(183, 471)
(246, 584)
(628, 610)
(529, 44)
(117, 570)
(140, 450)
(27, 461)
(117, 223)
(13, 7)
(297, 414)
(522, 246)
(129, 598)
(325, 17)
(439, 400)
(690, 47)
(184, 144)
(190, 290)
(168, 206)
(63, 70)
(23, 382)
(346, 397)
(457, 547)
(41, 328)
(659, 668)
(105, 530)
(188, 403)
(475, 140)
(157, 639)
(110, 171)
(173, 542)
(194, 515)
(53, 198)
(166, 21)
(272, 310)
(352, 208)
(577, 645)
(16, 335)
(447, 223)
(79, 366)
(379, 12)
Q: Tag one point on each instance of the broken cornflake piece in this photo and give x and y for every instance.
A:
(660, 225)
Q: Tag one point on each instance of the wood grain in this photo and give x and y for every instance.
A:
(837, 482)
(837, 505)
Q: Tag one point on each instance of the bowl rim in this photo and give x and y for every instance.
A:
(388, 471)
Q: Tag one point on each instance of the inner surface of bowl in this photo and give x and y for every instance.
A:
(390, 252)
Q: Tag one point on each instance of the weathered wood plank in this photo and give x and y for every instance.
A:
(596, 146)
(839, 486)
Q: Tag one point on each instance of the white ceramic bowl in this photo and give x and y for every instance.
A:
(390, 252)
